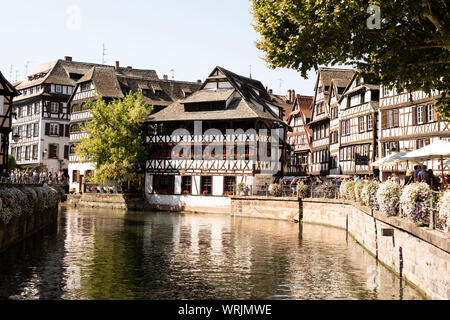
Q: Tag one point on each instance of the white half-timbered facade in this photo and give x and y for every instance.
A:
(320, 123)
(299, 139)
(7, 94)
(40, 128)
(114, 82)
(358, 126)
(408, 121)
(208, 143)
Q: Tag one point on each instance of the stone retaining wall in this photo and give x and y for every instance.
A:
(108, 201)
(24, 226)
(421, 256)
(267, 207)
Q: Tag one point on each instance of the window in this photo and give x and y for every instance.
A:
(58, 89)
(36, 130)
(186, 185)
(206, 185)
(35, 152)
(29, 109)
(361, 124)
(163, 184)
(355, 100)
(29, 127)
(54, 129)
(229, 185)
(430, 113)
(53, 151)
(75, 174)
(420, 115)
(395, 118)
(158, 93)
(369, 122)
(19, 153)
(85, 86)
(72, 150)
(54, 107)
(66, 152)
(422, 143)
(36, 108)
(27, 152)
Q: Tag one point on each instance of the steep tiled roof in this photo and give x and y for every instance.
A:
(7, 88)
(250, 101)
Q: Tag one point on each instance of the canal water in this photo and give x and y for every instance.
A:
(98, 254)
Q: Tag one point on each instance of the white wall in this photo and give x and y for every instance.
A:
(177, 185)
(217, 183)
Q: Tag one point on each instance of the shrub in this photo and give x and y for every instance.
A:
(388, 197)
(444, 209)
(417, 202)
(359, 185)
(350, 190)
(302, 190)
(369, 194)
(275, 190)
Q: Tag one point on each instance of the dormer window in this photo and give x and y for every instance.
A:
(85, 86)
(58, 89)
(158, 93)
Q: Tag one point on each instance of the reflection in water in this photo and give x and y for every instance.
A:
(96, 254)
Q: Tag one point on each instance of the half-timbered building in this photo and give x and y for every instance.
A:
(7, 94)
(358, 111)
(320, 120)
(114, 82)
(408, 121)
(41, 123)
(299, 139)
(208, 143)
(337, 88)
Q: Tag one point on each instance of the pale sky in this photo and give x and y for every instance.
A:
(189, 36)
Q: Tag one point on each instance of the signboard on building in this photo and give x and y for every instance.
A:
(361, 160)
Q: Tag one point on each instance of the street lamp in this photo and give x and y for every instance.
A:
(16, 138)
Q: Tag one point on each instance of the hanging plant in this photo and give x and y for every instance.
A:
(388, 197)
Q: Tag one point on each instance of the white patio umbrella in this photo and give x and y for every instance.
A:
(390, 160)
(437, 150)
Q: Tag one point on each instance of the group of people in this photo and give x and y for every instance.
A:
(35, 177)
(422, 174)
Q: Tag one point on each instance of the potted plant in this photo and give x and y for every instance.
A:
(242, 189)
(205, 192)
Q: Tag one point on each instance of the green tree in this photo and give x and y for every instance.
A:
(411, 50)
(116, 138)
(12, 164)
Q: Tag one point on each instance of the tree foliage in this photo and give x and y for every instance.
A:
(116, 138)
(12, 163)
(411, 50)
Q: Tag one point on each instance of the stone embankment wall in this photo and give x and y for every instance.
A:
(24, 226)
(269, 208)
(108, 201)
(419, 255)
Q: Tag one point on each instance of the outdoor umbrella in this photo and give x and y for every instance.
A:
(436, 150)
(390, 160)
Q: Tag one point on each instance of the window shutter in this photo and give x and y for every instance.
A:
(414, 115)
(66, 152)
(60, 108)
(384, 119)
(67, 133)
(61, 130)
(47, 129)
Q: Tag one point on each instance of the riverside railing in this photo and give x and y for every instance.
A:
(323, 191)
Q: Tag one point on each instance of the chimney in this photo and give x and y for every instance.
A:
(165, 77)
(117, 65)
(293, 96)
(199, 81)
(129, 68)
(289, 93)
(67, 58)
(270, 91)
